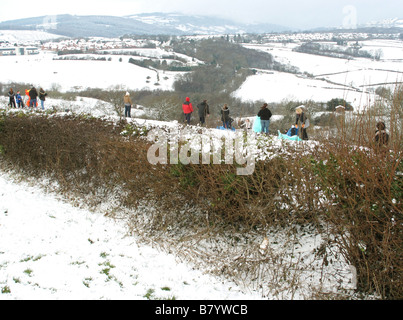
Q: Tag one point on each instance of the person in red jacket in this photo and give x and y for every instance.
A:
(187, 109)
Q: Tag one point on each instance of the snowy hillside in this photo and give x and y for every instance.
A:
(320, 78)
(51, 250)
(43, 71)
(140, 24)
(191, 24)
(386, 23)
(56, 251)
(353, 80)
(26, 36)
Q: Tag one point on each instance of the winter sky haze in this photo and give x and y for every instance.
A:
(291, 13)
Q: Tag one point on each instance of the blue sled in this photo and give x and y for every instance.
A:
(284, 136)
(257, 125)
(222, 128)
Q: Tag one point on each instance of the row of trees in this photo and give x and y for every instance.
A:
(337, 51)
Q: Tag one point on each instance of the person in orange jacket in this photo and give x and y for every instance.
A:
(187, 109)
(29, 99)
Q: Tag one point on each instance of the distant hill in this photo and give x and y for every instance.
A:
(140, 24)
(84, 26)
(387, 26)
(168, 24)
(191, 24)
(386, 23)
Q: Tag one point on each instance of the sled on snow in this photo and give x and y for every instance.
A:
(222, 128)
(287, 137)
(257, 125)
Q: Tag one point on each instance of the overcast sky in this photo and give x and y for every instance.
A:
(291, 13)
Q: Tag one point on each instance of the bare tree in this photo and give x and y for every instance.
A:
(115, 98)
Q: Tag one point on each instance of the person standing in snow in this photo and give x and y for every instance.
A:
(301, 117)
(204, 111)
(11, 95)
(128, 105)
(20, 101)
(381, 136)
(33, 95)
(187, 110)
(225, 118)
(42, 97)
(246, 125)
(265, 116)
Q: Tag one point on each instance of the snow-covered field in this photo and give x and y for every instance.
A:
(42, 71)
(280, 86)
(51, 250)
(26, 36)
(353, 80)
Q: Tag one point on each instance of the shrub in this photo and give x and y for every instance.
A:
(332, 104)
(365, 213)
(355, 191)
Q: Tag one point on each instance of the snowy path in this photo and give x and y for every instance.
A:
(51, 250)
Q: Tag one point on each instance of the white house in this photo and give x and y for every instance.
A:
(7, 52)
(18, 51)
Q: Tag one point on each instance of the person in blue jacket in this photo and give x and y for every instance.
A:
(20, 101)
(292, 132)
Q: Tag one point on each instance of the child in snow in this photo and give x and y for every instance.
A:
(20, 101)
(246, 125)
(292, 131)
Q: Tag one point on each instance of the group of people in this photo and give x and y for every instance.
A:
(203, 110)
(17, 101)
(264, 116)
(299, 128)
(301, 121)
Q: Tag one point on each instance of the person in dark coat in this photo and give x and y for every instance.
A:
(302, 118)
(42, 97)
(265, 116)
(225, 118)
(33, 95)
(204, 110)
(11, 95)
(381, 136)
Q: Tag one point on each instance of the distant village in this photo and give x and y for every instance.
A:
(60, 45)
(97, 43)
